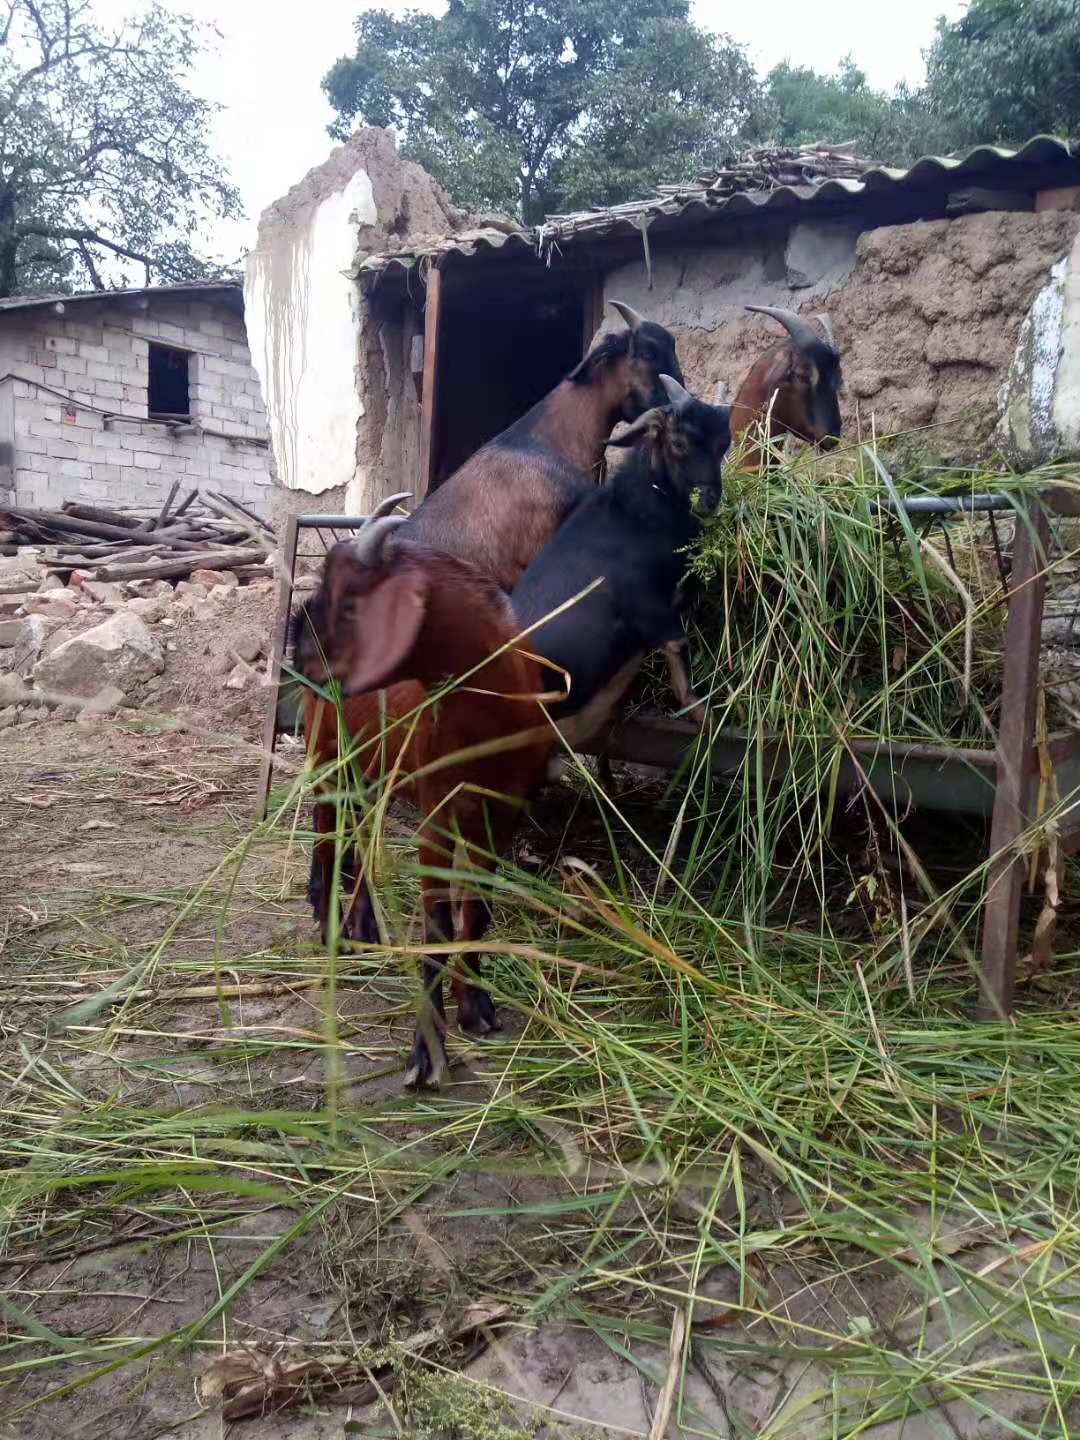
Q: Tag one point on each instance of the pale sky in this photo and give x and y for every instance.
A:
(272, 58)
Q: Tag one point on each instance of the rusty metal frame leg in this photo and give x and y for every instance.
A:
(286, 578)
(1016, 733)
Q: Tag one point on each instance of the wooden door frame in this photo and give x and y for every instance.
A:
(433, 310)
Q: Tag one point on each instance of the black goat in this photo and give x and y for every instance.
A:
(500, 508)
(633, 533)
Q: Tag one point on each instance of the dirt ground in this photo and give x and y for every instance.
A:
(109, 830)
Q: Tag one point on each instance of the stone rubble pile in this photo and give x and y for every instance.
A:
(75, 644)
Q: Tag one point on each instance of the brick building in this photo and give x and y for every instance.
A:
(111, 396)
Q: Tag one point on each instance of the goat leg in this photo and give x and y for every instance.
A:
(358, 922)
(475, 1007)
(320, 878)
(358, 918)
(675, 654)
(427, 1063)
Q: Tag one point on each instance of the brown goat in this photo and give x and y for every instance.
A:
(406, 617)
(501, 507)
(793, 389)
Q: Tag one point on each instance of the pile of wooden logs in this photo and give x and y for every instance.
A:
(767, 167)
(204, 532)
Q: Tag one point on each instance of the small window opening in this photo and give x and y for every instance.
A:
(169, 396)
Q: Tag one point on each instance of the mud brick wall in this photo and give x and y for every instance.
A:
(74, 404)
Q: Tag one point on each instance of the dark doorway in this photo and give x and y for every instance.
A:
(503, 345)
(168, 390)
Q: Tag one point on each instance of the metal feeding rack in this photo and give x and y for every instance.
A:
(1002, 784)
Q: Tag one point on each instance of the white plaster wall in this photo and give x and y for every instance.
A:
(706, 288)
(304, 317)
(1040, 398)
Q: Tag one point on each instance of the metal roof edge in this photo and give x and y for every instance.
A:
(180, 287)
(631, 217)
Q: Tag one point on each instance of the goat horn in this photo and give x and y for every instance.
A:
(825, 322)
(803, 334)
(368, 545)
(679, 397)
(632, 318)
(720, 394)
(385, 506)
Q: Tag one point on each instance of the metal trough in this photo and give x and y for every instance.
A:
(999, 784)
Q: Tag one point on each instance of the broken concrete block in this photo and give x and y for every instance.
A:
(103, 591)
(16, 568)
(242, 678)
(9, 632)
(61, 606)
(213, 578)
(152, 608)
(51, 582)
(8, 716)
(104, 702)
(120, 652)
(13, 691)
(148, 589)
(34, 631)
(248, 644)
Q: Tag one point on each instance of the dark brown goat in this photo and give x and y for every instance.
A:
(501, 507)
(403, 616)
(792, 389)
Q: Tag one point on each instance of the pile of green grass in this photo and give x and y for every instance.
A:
(823, 618)
(714, 1114)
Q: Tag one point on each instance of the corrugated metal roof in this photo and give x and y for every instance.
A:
(696, 203)
(180, 287)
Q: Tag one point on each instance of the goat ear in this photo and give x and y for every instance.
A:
(385, 631)
(644, 424)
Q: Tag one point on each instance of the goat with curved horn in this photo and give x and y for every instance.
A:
(792, 388)
(801, 331)
(368, 545)
(385, 506)
(632, 318)
(680, 399)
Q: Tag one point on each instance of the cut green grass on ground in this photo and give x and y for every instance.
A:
(739, 1149)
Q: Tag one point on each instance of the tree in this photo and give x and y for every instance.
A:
(1008, 69)
(531, 105)
(105, 169)
(892, 129)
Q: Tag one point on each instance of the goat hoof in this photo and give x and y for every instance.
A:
(425, 1072)
(360, 925)
(477, 1013)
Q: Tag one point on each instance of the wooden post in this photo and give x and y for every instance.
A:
(286, 575)
(1016, 735)
(592, 310)
(429, 459)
